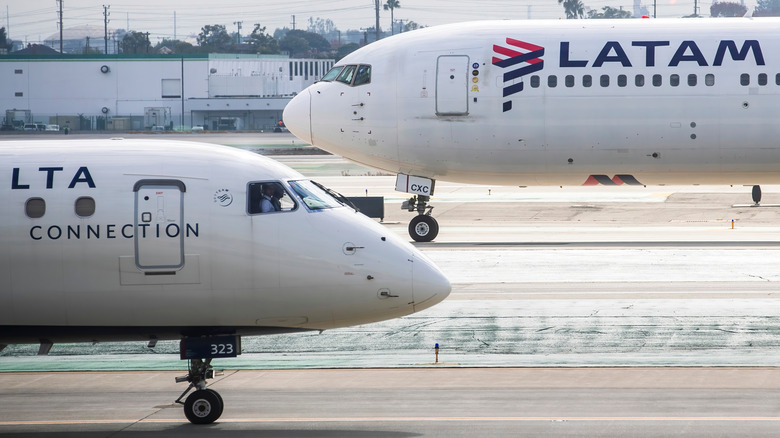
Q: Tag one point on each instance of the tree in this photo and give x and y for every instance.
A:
(262, 42)
(345, 50)
(135, 42)
(727, 9)
(609, 12)
(391, 5)
(320, 26)
(300, 42)
(175, 46)
(5, 44)
(294, 44)
(573, 8)
(280, 33)
(214, 38)
(411, 25)
(767, 8)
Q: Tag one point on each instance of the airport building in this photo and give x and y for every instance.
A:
(157, 92)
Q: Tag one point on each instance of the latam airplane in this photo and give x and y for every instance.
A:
(568, 102)
(138, 240)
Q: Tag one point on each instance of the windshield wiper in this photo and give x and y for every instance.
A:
(337, 196)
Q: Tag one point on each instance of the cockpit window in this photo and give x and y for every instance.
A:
(363, 75)
(268, 197)
(332, 74)
(352, 75)
(312, 196)
(347, 74)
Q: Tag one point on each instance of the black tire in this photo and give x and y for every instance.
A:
(756, 194)
(203, 406)
(423, 228)
(221, 402)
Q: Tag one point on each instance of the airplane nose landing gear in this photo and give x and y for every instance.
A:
(204, 405)
(423, 228)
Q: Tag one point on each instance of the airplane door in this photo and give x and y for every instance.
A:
(159, 214)
(452, 85)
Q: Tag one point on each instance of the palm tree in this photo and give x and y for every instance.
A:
(573, 8)
(390, 5)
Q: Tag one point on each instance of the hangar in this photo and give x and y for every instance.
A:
(138, 92)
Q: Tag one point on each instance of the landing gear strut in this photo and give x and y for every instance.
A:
(423, 228)
(203, 406)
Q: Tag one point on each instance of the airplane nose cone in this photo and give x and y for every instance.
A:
(429, 283)
(297, 116)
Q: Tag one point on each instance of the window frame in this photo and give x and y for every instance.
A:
(337, 69)
(587, 81)
(89, 210)
(28, 207)
(254, 196)
(349, 69)
(361, 67)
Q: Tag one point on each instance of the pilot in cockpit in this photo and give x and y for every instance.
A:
(276, 199)
(267, 201)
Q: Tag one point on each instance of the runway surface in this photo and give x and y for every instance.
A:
(575, 311)
(446, 402)
(654, 277)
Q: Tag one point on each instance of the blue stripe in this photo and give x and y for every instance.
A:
(522, 71)
(512, 89)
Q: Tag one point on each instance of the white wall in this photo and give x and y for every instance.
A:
(73, 86)
(80, 87)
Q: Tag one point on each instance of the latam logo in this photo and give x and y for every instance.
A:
(517, 63)
(654, 51)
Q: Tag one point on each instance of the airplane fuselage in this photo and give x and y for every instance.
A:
(560, 102)
(126, 239)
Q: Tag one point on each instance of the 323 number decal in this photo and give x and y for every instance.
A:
(221, 349)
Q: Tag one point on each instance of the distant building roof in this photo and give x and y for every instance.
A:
(36, 49)
(80, 33)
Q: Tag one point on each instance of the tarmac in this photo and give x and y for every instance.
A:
(575, 311)
(441, 402)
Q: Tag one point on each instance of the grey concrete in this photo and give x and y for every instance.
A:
(405, 403)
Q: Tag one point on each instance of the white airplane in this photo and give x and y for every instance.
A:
(567, 102)
(122, 240)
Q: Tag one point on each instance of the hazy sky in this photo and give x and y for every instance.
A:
(35, 20)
